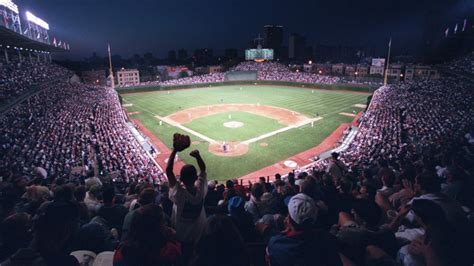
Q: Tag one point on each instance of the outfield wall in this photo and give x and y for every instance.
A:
(340, 86)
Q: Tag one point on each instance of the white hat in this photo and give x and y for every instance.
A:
(212, 184)
(301, 208)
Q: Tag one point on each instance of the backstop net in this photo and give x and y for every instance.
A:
(241, 75)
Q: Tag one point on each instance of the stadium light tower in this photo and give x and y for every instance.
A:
(37, 28)
(10, 15)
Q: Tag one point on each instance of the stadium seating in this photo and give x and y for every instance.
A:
(400, 193)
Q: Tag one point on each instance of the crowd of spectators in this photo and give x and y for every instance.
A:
(401, 194)
(463, 64)
(266, 71)
(18, 78)
(70, 129)
(198, 79)
(274, 71)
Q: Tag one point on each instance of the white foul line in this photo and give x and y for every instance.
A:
(197, 134)
(264, 136)
(281, 130)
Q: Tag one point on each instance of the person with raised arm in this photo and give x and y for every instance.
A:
(187, 195)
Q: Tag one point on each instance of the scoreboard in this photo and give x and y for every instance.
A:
(259, 54)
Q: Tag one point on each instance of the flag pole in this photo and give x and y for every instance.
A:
(388, 62)
(112, 82)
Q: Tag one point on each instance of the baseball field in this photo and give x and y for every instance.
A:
(241, 129)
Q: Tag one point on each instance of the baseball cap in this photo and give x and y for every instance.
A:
(302, 208)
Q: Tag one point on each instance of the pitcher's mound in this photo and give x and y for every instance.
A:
(232, 149)
(233, 124)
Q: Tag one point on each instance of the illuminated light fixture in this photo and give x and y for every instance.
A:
(32, 18)
(10, 5)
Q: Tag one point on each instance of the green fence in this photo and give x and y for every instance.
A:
(341, 86)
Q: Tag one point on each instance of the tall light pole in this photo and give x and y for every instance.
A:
(388, 62)
(111, 74)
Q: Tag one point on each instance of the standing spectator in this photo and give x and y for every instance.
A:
(188, 195)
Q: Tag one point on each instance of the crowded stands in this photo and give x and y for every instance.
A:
(19, 78)
(463, 64)
(266, 71)
(401, 194)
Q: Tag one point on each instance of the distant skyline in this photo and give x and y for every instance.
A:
(140, 26)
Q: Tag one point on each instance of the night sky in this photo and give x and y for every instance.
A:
(139, 26)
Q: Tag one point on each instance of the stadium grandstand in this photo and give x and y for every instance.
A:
(80, 183)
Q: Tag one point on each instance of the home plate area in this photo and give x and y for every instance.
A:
(233, 124)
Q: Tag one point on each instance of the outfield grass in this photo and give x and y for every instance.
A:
(327, 104)
(213, 126)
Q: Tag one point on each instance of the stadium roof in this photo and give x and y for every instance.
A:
(14, 39)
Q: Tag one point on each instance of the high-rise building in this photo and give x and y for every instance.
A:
(231, 53)
(296, 47)
(203, 56)
(273, 38)
(182, 55)
(172, 56)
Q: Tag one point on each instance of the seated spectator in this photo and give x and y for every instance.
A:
(53, 229)
(14, 234)
(260, 203)
(92, 199)
(221, 244)
(79, 195)
(300, 244)
(242, 219)
(149, 241)
(147, 196)
(112, 213)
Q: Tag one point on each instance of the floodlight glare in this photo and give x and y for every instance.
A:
(10, 5)
(32, 18)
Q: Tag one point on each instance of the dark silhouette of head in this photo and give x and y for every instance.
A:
(188, 175)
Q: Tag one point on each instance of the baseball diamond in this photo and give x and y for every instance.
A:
(277, 122)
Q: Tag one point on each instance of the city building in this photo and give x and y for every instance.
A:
(296, 47)
(409, 72)
(362, 70)
(425, 72)
(203, 56)
(395, 71)
(128, 77)
(172, 56)
(337, 69)
(182, 55)
(350, 70)
(323, 69)
(273, 38)
(376, 70)
(215, 69)
(310, 67)
(231, 53)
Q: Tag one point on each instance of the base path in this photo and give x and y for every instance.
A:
(301, 159)
(165, 152)
(273, 133)
(197, 134)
